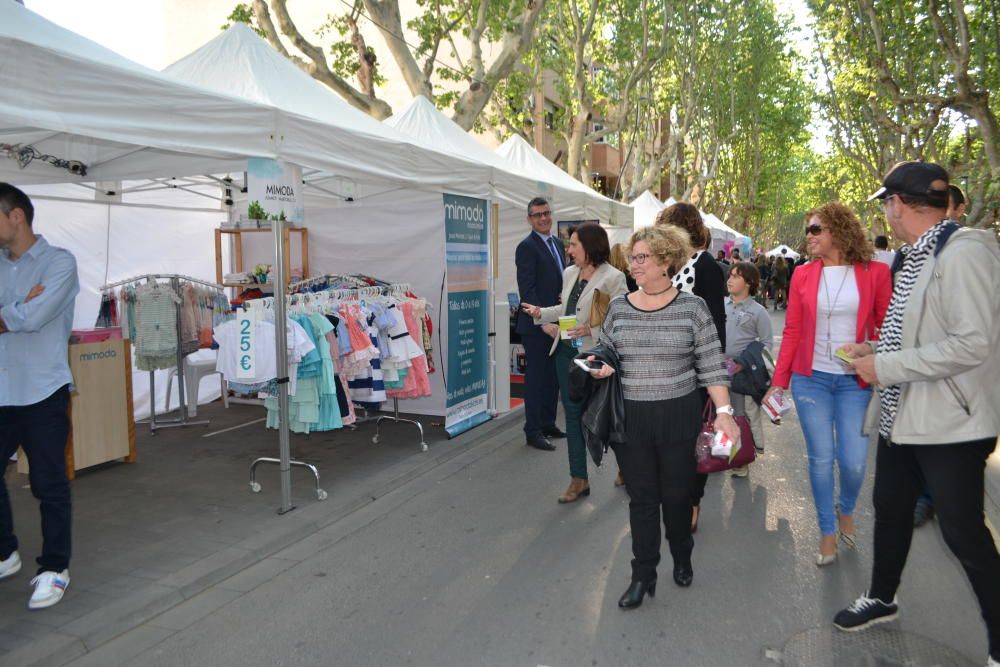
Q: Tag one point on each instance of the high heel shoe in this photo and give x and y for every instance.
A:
(849, 540)
(636, 591)
(825, 559)
(683, 572)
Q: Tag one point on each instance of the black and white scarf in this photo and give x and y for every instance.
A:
(891, 337)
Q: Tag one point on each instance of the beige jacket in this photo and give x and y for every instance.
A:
(949, 366)
(606, 278)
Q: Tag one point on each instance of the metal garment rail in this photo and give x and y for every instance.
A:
(182, 418)
(368, 290)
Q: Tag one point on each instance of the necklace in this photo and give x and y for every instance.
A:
(662, 291)
(831, 307)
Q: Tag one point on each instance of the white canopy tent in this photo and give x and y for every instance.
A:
(534, 165)
(782, 251)
(646, 208)
(78, 113)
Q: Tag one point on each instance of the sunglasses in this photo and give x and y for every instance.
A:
(540, 214)
(814, 230)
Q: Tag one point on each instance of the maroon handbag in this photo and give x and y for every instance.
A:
(703, 448)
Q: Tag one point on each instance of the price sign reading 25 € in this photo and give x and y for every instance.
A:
(246, 343)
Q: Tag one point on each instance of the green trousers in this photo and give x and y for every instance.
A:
(574, 409)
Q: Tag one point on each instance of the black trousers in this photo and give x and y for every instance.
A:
(658, 464)
(953, 474)
(41, 431)
(541, 385)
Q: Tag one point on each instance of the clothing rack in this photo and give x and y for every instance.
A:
(175, 283)
(399, 289)
(359, 281)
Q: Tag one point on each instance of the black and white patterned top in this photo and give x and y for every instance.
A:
(891, 337)
(684, 279)
(665, 353)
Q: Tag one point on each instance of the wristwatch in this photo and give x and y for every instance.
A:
(727, 409)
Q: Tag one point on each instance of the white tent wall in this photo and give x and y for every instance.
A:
(114, 242)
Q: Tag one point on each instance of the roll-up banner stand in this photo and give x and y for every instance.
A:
(467, 242)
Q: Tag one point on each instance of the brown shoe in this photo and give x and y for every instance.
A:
(577, 487)
(620, 479)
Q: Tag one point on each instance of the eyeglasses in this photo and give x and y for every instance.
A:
(638, 259)
(815, 229)
(540, 214)
(885, 202)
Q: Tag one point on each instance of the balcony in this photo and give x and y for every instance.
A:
(605, 160)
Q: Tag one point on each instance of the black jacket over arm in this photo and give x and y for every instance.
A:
(603, 417)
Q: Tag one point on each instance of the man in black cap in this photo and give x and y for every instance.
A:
(938, 413)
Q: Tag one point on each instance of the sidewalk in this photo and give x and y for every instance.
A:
(150, 535)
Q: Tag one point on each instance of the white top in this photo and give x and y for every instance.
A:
(266, 366)
(836, 317)
(885, 256)
(684, 279)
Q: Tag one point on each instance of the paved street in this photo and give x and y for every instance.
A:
(472, 562)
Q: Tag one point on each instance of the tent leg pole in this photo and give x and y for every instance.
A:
(281, 352)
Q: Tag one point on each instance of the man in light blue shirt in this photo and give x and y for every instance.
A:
(38, 288)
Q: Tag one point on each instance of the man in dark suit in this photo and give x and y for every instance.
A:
(539, 260)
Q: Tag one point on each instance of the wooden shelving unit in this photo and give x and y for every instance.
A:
(238, 254)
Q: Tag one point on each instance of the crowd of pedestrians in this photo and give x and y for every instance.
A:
(899, 345)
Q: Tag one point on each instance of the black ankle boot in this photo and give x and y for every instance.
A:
(636, 592)
(683, 572)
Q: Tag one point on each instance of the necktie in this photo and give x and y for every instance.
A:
(555, 253)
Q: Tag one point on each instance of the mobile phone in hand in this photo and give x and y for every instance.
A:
(589, 365)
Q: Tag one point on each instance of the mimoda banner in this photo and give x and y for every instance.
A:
(467, 252)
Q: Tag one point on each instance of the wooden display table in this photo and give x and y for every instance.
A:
(102, 418)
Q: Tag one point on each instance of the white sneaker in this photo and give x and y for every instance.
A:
(992, 662)
(10, 566)
(49, 589)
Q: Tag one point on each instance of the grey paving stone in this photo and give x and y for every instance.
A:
(55, 646)
(210, 570)
(257, 574)
(121, 649)
(123, 614)
(193, 610)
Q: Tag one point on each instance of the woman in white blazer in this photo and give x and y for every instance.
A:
(589, 271)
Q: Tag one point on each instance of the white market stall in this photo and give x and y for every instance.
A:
(782, 251)
(646, 208)
(78, 113)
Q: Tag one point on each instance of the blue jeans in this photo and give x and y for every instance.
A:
(831, 409)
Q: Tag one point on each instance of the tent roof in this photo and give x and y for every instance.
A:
(521, 153)
(713, 222)
(533, 164)
(646, 207)
(74, 100)
(422, 121)
(240, 63)
(782, 251)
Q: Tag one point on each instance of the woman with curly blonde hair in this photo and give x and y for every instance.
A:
(668, 353)
(841, 297)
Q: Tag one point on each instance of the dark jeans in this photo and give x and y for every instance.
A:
(541, 389)
(575, 445)
(41, 430)
(954, 476)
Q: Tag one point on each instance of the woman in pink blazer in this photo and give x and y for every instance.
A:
(839, 298)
